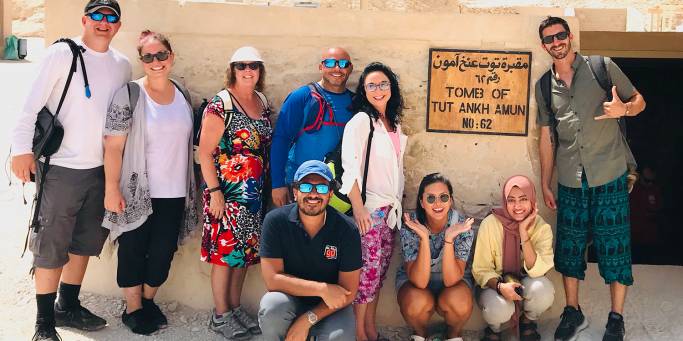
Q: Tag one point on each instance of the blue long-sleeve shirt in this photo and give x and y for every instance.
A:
(285, 154)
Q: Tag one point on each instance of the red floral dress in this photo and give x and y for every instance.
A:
(240, 160)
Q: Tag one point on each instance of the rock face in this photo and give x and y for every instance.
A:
(29, 15)
(29, 18)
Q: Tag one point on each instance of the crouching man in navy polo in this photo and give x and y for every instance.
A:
(310, 263)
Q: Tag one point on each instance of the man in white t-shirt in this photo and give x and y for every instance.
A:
(69, 228)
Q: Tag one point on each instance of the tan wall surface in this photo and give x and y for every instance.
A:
(291, 40)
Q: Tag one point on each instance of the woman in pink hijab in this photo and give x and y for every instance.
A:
(513, 252)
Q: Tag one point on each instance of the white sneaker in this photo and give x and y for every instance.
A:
(416, 338)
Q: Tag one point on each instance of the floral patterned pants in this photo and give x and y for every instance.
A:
(377, 246)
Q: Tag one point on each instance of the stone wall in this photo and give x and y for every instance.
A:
(291, 40)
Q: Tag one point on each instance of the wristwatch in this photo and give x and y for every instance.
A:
(312, 317)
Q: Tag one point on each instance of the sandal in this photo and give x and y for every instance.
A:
(490, 335)
(528, 331)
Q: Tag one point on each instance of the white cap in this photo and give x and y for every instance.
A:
(246, 54)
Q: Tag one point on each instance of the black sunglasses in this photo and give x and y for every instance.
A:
(160, 56)
(241, 66)
(98, 16)
(559, 36)
(431, 198)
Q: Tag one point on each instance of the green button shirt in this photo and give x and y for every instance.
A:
(586, 145)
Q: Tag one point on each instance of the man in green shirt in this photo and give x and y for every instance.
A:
(592, 157)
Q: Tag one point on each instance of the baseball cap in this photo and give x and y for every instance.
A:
(246, 54)
(94, 5)
(313, 167)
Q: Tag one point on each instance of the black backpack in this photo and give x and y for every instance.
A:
(599, 70)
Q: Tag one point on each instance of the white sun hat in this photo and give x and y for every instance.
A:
(246, 54)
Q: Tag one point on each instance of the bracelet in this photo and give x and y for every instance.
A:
(217, 188)
(447, 242)
(498, 287)
(526, 241)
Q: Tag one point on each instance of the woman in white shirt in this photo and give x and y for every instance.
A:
(377, 102)
(149, 180)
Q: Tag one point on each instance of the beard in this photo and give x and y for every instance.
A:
(308, 210)
(561, 53)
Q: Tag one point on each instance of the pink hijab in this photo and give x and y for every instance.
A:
(512, 257)
(511, 252)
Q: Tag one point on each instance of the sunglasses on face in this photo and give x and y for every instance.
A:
(559, 36)
(305, 187)
(243, 66)
(431, 198)
(160, 56)
(331, 62)
(381, 86)
(98, 16)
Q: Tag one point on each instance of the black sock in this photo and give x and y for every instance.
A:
(147, 302)
(46, 308)
(68, 296)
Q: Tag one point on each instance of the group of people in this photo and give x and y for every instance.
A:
(126, 169)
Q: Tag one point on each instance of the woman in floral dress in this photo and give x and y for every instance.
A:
(235, 136)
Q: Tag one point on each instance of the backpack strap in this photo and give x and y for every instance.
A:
(599, 70)
(547, 93)
(133, 94)
(367, 158)
(183, 90)
(228, 108)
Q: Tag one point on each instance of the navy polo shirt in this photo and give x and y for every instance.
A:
(336, 247)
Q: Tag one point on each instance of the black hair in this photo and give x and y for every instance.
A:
(426, 181)
(550, 21)
(395, 103)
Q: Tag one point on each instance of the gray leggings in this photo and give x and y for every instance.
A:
(539, 294)
(279, 310)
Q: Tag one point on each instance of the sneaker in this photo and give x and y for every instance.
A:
(138, 322)
(247, 321)
(571, 323)
(614, 331)
(154, 313)
(79, 318)
(45, 332)
(228, 326)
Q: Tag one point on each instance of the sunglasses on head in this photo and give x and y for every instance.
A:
(98, 16)
(242, 66)
(331, 62)
(431, 198)
(381, 86)
(160, 56)
(305, 187)
(559, 36)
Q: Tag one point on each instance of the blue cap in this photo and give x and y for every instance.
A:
(313, 167)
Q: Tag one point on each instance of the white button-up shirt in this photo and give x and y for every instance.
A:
(385, 175)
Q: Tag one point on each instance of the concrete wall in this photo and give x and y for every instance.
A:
(205, 35)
